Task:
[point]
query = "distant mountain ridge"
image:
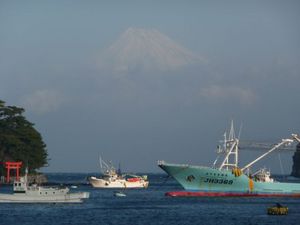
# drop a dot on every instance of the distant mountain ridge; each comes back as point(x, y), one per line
point(146, 50)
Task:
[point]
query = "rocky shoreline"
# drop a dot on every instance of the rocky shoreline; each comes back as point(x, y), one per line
point(38, 178)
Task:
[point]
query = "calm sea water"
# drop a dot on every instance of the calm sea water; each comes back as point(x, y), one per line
point(147, 207)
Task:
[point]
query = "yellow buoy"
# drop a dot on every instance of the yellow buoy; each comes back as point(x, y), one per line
point(278, 210)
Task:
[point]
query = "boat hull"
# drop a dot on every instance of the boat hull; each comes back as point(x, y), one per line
point(25, 198)
point(119, 183)
point(205, 181)
point(227, 194)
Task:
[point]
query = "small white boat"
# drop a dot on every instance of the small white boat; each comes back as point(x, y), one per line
point(25, 193)
point(112, 179)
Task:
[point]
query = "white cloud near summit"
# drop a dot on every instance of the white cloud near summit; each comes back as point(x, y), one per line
point(43, 101)
point(222, 93)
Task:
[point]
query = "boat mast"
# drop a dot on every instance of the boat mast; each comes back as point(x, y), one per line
point(231, 149)
point(104, 166)
point(100, 162)
point(283, 142)
point(26, 175)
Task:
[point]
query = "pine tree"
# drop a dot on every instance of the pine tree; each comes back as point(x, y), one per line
point(19, 140)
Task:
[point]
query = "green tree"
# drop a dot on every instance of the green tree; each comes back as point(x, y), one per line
point(19, 140)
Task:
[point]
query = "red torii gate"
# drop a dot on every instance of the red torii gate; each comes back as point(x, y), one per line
point(13, 165)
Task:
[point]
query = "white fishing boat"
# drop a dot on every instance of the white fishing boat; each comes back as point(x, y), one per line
point(113, 179)
point(34, 193)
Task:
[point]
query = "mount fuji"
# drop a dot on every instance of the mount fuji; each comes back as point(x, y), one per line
point(146, 50)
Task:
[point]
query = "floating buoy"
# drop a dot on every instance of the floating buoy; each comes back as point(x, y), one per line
point(278, 210)
point(119, 194)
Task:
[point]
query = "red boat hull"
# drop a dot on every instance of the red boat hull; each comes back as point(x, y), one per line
point(226, 194)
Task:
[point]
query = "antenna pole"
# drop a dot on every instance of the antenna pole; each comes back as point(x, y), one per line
point(231, 149)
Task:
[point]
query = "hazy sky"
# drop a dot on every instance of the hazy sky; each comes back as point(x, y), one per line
point(159, 106)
